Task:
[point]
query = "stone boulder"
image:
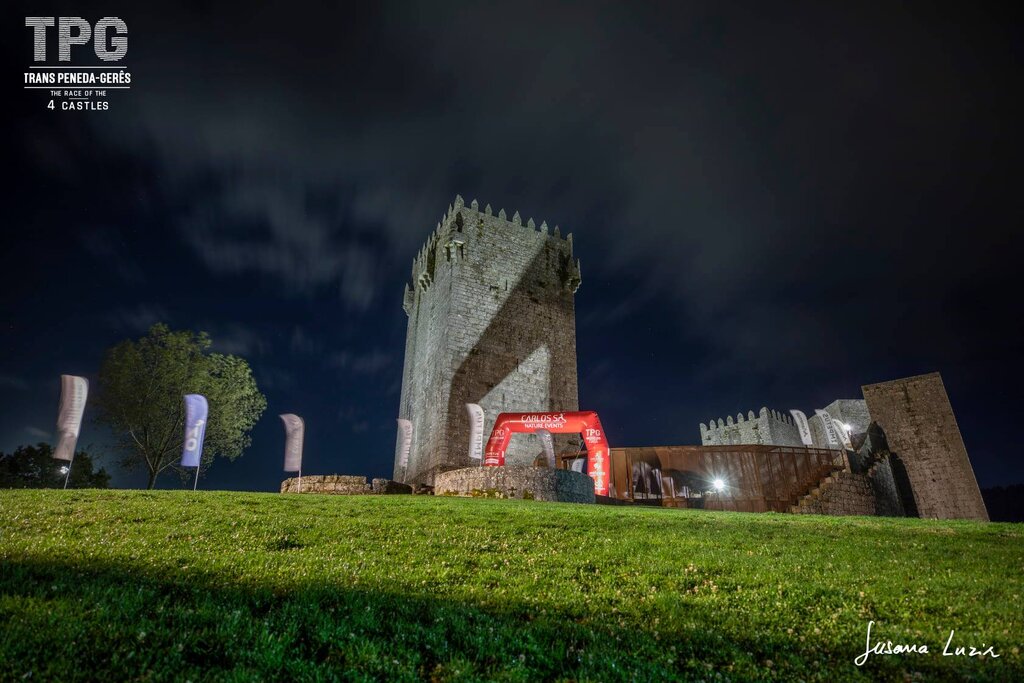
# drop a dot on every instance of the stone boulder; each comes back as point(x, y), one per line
point(388, 486)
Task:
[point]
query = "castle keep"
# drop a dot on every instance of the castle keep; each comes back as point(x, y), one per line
point(491, 321)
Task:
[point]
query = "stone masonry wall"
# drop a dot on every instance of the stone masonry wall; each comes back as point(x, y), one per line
point(883, 484)
point(777, 428)
point(344, 485)
point(851, 411)
point(770, 427)
point(852, 493)
point(919, 425)
point(491, 321)
point(331, 483)
point(511, 481)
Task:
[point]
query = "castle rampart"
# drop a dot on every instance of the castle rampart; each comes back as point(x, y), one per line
point(768, 427)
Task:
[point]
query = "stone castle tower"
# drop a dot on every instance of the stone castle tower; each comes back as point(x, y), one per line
point(491, 321)
point(921, 429)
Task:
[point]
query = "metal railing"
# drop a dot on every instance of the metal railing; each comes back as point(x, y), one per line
point(752, 478)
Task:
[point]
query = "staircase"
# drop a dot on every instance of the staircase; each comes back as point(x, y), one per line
point(811, 502)
point(843, 492)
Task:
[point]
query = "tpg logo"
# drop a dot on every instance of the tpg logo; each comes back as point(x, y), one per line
point(78, 31)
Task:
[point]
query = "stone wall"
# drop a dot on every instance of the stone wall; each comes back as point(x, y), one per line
point(777, 428)
point(843, 493)
point(855, 493)
point(769, 427)
point(344, 485)
point(517, 481)
point(331, 483)
point(491, 321)
point(887, 496)
point(921, 430)
point(851, 411)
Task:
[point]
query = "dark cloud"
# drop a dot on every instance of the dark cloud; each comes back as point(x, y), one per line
point(138, 318)
point(272, 378)
point(302, 343)
point(10, 382)
point(236, 339)
point(106, 248)
point(367, 363)
point(727, 154)
point(37, 433)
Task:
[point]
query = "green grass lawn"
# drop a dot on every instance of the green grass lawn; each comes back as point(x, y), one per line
point(117, 585)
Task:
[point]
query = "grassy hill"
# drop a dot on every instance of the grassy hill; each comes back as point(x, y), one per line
point(116, 585)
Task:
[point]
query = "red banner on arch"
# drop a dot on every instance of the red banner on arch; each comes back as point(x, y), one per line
point(585, 423)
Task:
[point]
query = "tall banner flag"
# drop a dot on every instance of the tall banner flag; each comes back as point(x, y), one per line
point(476, 431)
point(404, 441)
point(830, 429)
point(294, 431)
point(548, 442)
point(195, 429)
point(801, 424)
point(840, 430)
point(73, 393)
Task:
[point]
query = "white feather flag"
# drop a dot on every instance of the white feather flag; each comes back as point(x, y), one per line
point(801, 424)
point(831, 429)
point(295, 433)
point(476, 431)
point(74, 391)
point(405, 441)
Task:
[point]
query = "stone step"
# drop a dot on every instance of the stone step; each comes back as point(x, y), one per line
point(811, 497)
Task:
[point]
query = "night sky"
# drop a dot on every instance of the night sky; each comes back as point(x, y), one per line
point(772, 205)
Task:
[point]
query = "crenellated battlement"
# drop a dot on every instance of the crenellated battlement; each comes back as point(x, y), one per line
point(765, 413)
point(450, 235)
point(767, 427)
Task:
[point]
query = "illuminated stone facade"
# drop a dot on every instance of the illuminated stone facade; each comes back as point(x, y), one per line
point(523, 482)
point(491, 321)
point(918, 421)
point(926, 459)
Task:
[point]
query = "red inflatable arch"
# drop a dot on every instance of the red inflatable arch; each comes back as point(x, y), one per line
point(586, 423)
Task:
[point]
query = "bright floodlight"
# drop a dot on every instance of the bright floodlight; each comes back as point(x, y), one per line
point(718, 484)
point(847, 427)
point(64, 470)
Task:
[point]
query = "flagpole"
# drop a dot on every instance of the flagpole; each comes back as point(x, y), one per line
point(197, 479)
point(300, 479)
point(67, 476)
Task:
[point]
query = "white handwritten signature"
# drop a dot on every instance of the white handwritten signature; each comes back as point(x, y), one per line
point(887, 647)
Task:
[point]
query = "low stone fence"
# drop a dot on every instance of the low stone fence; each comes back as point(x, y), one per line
point(516, 481)
point(343, 485)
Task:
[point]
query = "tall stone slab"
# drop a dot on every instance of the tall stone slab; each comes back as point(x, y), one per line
point(919, 424)
point(492, 321)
